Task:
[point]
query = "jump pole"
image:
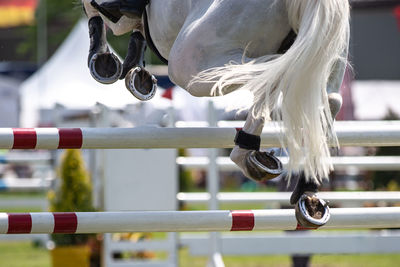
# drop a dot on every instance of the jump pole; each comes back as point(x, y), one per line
point(376, 163)
point(283, 197)
point(189, 221)
point(350, 134)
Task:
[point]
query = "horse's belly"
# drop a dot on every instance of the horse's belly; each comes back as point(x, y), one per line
point(166, 18)
point(231, 25)
point(257, 26)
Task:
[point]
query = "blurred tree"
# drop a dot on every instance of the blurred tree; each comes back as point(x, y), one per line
point(60, 17)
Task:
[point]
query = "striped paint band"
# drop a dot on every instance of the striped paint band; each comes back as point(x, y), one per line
point(242, 220)
point(29, 138)
point(24, 223)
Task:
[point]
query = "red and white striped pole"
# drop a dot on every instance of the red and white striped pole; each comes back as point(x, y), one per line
point(349, 134)
point(188, 221)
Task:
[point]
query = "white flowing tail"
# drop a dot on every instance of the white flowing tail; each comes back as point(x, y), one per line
point(295, 83)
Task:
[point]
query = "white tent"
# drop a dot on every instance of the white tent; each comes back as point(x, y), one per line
point(8, 102)
point(65, 80)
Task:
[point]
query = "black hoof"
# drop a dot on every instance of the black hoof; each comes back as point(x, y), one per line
point(141, 83)
point(263, 166)
point(105, 67)
point(312, 212)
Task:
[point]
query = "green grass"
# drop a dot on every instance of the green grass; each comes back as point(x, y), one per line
point(24, 254)
point(370, 260)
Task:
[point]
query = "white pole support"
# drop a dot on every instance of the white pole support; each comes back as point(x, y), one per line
point(189, 221)
point(356, 133)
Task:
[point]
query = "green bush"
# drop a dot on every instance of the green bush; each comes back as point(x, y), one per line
point(74, 194)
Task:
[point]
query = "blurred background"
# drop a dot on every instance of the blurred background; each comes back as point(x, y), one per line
point(45, 82)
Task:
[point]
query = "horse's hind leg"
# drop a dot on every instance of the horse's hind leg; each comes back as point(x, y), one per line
point(256, 165)
point(185, 62)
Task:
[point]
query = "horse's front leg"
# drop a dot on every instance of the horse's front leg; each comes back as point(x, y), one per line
point(104, 66)
point(138, 81)
point(256, 165)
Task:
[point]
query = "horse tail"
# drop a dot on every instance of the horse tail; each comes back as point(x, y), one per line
point(322, 37)
point(295, 83)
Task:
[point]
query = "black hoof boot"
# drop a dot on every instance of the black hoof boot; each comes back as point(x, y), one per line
point(138, 81)
point(104, 66)
point(135, 55)
point(114, 10)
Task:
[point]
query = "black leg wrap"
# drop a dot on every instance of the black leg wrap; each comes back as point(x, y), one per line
point(136, 49)
point(301, 187)
point(96, 27)
point(114, 10)
point(104, 66)
point(133, 8)
point(247, 141)
point(110, 11)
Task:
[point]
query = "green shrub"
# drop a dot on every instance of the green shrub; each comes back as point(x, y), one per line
point(74, 194)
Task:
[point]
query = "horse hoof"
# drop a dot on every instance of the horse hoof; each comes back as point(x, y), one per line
point(105, 67)
point(263, 166)
point(141, 83)
point(312, 212)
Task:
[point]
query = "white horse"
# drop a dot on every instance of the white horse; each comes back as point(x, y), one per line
point(214, 47)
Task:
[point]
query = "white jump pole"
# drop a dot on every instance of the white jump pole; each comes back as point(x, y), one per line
point(283, 197)
point(189, 221)
point(350, 134)
point(381, 163)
